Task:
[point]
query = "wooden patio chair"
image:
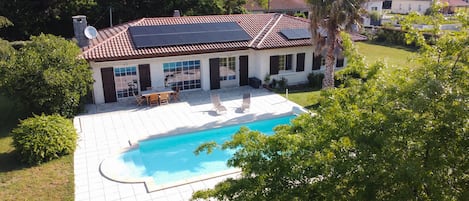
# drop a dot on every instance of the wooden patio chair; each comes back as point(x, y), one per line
point(219, 108)
point(246, 102)
point(164, 98)
point(175, 94)
point(139, 99)
point(153, 99)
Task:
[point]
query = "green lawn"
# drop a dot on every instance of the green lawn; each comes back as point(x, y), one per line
point(50, 181)
point(393, 56)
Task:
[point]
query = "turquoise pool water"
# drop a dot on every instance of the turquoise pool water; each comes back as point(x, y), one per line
point(170, 159)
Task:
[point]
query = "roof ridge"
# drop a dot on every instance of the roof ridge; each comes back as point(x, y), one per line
point(278, 16)
point(261, 31)
point(129, 24)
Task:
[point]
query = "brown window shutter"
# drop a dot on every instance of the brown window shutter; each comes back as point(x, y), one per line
point(316, 62)
point(145, 79)
point(274, 62)
point(300, 62)
point(109, 86)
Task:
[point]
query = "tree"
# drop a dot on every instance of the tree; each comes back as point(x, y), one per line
point(399, 135)
point(48, 76)
point(42, 16)
point(328, 19)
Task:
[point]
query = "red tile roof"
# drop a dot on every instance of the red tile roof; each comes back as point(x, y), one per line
point(115, 43)
point(455, 3)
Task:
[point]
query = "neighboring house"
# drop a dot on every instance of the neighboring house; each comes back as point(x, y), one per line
point(289, 7)
point(197, 53)
point(407, 6)
point(454, 5)
point(371, 7)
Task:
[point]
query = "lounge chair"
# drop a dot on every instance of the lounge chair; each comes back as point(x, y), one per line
point(175, 94)
point(246, 102)
point(219, 108)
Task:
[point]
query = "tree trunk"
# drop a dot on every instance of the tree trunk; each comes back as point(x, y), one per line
point(328, 81)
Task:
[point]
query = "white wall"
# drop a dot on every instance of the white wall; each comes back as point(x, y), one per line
point(259, 66)
point(407, 6)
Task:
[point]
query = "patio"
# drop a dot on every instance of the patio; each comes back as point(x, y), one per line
point(106, 129)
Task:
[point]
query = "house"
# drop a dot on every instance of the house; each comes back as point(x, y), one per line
point(372, 7)
point(408, 6)
point(290, 7)
point(197, 53)
point(452, 6)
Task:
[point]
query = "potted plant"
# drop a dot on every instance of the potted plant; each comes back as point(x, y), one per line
point(266, 81)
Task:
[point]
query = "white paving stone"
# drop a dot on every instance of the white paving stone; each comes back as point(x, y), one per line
point(107, 129)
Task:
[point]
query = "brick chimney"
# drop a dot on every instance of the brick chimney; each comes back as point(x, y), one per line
point(79, 25)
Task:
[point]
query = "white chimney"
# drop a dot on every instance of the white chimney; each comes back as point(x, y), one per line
point(177, 13)
point(79, 25)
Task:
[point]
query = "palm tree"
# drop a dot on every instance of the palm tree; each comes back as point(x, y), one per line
point(328, 19)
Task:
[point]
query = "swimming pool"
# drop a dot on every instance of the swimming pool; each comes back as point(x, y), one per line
point(170, 159)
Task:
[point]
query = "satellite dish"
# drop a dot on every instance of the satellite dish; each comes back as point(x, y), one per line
point(90, 32)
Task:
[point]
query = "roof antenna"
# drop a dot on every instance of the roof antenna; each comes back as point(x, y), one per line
point(110, 16)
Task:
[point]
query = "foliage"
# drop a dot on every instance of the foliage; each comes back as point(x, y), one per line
point(401, 135)
point(283, 83)
point(54, 17)
point(48, 76)
point(42, 138)
point(5, 22)
point(315, 80)
point(390, 36)
point(302, 15)
point(35, 17)
point(328, 19)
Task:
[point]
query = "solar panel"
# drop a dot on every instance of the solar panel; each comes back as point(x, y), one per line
point(295, 34)
point(187, 34)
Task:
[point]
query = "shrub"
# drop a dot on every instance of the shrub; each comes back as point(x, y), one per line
point(43, 138)
point(315, 80)
point(283, 83)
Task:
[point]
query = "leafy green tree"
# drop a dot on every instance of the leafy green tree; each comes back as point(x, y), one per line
point(328, 19)
point(399, 135)
point(48, 76)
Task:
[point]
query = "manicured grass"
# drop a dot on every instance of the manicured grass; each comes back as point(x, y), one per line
point(305, 96)
point(394, 56)
point(50, 181)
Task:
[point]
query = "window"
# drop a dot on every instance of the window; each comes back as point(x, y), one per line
point(126, 81)
point(410, 7)
point(285, 62)
point(339, 62)
point(420, 8)
point(228, 68)
point(374, 8)
point(182, 74)
point(323, 61)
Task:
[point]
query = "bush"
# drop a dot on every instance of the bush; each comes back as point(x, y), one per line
point(43, 138)
point(315, 80)
point(283, 83)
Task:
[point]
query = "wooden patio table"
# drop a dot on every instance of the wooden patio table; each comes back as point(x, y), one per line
point(156, 91)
